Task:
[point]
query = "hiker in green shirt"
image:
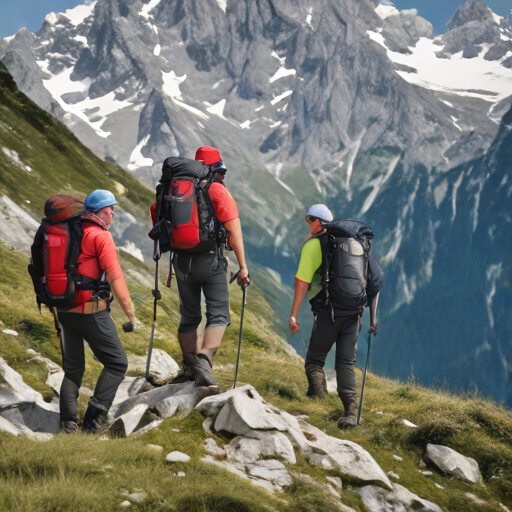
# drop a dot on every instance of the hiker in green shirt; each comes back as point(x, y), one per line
point(336, 321)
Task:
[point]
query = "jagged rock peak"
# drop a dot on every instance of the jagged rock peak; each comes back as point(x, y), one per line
point(471, 10)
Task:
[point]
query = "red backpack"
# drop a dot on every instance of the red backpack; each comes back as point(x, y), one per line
point(55, 251)
point(185, 216)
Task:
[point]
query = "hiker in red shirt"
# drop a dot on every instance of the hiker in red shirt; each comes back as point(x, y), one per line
point(199, 270)
point(89, 318)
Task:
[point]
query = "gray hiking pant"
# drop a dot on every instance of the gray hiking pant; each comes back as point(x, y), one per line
point(99, 330)
point(344, 332)
point(196, 272)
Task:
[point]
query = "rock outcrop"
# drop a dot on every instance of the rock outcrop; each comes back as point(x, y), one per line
point(263, 430)
point(376, 498)
point(452, 463)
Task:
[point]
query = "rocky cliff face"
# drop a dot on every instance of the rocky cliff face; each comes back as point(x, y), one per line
point(351, 103)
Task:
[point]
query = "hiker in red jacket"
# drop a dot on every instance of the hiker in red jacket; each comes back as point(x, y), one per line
point(89, 318)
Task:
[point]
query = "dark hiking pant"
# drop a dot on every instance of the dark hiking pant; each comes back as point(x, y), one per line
point(344, 332)
point(100, 332)
point(206, 272)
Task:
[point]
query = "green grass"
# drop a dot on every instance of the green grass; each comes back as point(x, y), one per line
point(59, 162)
point(83, 473)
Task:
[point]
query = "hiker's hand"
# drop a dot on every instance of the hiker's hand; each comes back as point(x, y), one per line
point(373, 329)
point(293, 325)
point(360, 324)
point(131, 325)
point(243, 277)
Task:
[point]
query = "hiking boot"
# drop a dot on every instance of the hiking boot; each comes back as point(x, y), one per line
point(69, 427)
point(202, 371)
point(349, 418)
point(317, 383)
point(95, 420)
point(184, 375)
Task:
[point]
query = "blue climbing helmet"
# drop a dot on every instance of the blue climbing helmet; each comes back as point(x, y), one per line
point(99, 199)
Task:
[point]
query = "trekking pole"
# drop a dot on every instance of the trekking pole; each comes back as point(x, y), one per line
point(364, 378)
point(244, 290)
point(157, 295)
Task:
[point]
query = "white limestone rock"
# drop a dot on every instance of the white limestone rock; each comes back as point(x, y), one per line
point(13, 390)
point(335, 481)
point(255, 444)
point(127, 423)
point(213, 448)
point(137, 497)
point(7, 426)
point(54, 380)
point(182, 402)
point(163, 368)
point(265, 484)
point(156, 396)
point(243, 411)
point(131, 386)
point(398, 500)
point(155, 448)
point(346, 456)
point(34, 417)
point(272, 470)
point(177, 457)
point(453, 463)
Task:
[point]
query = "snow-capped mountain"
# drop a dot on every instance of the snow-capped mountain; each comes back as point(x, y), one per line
point(352, 103)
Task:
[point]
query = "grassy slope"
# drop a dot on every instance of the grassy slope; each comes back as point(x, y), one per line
point(60, 163)
point(81, 473)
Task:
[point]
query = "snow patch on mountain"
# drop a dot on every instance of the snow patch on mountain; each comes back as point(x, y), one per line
point(309, 17)
point(475, 77)
point(137, 160)
point(222, 4)
point(133, 250)
point(217, 109)
point(455, 189)
point(147, 8)
point(282, 71)
point(93, 111)
point(78, 14)
point(51, 18)
point(82, 39)
point(386, 10)
point(492, 275)
point(277, 99)
point(172, 84)
point(156, 51)
point(377, 184)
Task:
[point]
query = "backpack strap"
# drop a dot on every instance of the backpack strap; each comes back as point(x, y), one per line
point(328, 246)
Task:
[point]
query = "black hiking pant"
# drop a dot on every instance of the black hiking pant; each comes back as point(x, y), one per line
point(201, 271)
point(99, 330)
point(344, 332)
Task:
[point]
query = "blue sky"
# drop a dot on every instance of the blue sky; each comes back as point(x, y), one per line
point(15, 14)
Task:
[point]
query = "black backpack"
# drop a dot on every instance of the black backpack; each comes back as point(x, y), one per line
point(345, 249)
point(185, 216)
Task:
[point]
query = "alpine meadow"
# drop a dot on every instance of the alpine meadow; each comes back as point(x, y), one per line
point(305, 114)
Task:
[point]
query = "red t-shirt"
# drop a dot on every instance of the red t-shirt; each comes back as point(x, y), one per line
point(223, 204)
point(98, 255)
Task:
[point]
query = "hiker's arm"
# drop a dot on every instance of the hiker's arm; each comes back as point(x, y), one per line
point(301, 288)
point(373, 315)
point(236, 242)
point(120, 290)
